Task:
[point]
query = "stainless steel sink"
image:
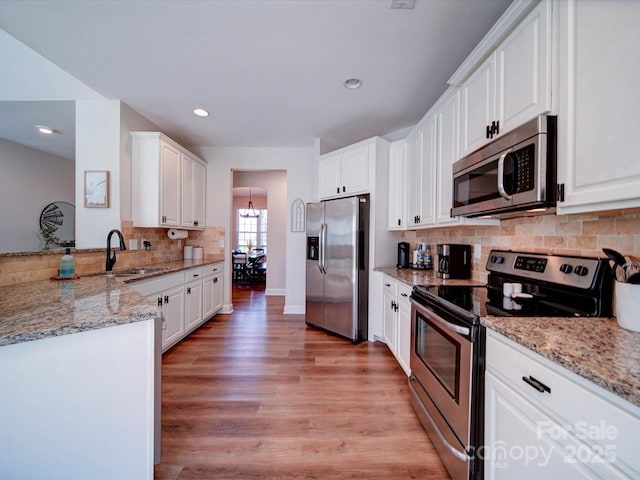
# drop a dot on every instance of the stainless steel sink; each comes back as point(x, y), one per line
point(131, 272)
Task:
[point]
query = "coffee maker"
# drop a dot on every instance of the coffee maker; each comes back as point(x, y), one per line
point(404, 255)
point(454, 261)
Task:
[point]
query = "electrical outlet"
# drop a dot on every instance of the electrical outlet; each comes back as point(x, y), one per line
point(133, 244)
point(477, 251)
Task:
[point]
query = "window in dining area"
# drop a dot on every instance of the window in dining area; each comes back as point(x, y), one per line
point(251, 230)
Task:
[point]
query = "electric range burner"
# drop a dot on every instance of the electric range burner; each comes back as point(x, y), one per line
point(552, 286)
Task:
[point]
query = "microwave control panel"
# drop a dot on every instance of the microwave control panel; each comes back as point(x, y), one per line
point(523, 168)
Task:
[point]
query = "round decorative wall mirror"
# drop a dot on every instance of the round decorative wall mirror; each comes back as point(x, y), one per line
point(58, 218)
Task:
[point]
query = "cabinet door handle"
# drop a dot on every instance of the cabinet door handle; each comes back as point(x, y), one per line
point(488, 131)
point(399, 222)
point(344, 189)
point(215, 280)
point(159, 301)
point(196, 275)
point(537, 384)
point(403, 294)
point(195, 223)
point(387, 284)
point(166, 299)
point(337, 189)
point(188, 290)
point(496, 128)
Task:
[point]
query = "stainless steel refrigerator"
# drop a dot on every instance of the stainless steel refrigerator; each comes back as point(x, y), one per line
point(337, 266)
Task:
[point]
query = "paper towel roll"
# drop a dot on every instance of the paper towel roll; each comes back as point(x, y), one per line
point(177, 234)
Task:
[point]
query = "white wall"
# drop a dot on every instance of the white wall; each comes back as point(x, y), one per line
point(275, 182)
point(30, 180)
point(301, 183)
point(97, 148)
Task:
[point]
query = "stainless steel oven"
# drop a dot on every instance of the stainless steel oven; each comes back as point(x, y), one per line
point(516, 172)
point(446, 381)
point(448, 342)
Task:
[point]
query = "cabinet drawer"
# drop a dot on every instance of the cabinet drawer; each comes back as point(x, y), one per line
point(404, 291)
point(389, 286)
point(155, 285)
point(587, 411)
point(214, 268)
point(193, 274)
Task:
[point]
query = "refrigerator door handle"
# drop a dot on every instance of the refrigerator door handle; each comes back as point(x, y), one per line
point(323, 243)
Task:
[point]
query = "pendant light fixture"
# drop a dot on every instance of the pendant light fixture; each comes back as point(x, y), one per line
point(251, 211)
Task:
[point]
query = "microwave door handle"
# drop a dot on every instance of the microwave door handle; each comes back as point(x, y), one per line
point(503, 193)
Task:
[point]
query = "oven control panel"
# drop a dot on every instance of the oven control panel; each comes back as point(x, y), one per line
point(577, 272)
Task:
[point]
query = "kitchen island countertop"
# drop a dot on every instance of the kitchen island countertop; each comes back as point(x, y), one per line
point(597, 349)
point(37, 310)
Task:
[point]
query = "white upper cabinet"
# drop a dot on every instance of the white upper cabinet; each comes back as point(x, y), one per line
point(523, 74)
point(426, 186)
point(344, 173)
point(598, 120)
point(478, 106)
point(512, 85)
point(421, 151)
point(193, 193)
point(168, 183)
point(396, 213)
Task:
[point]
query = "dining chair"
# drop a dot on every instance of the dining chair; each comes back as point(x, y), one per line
point(240, 266)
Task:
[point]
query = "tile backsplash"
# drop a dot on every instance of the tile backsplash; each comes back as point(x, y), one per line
point(584, 235)
point(33, 266)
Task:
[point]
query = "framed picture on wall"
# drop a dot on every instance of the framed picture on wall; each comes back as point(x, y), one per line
point(96, 189)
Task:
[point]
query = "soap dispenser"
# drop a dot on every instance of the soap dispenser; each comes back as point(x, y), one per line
point(67, 265)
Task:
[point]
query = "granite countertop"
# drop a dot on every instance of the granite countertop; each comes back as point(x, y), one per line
point(37, 310)
point(414, 277)
point(597, 349)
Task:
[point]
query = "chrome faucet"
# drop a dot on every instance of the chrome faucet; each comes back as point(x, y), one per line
point(111, 259)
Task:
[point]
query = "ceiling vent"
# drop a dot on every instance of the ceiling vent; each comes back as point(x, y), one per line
point(403, 4)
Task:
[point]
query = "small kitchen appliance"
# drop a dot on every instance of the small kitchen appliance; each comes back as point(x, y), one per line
point(513, 175)
point(404, 260)
point(454, 261)
point(448, 342)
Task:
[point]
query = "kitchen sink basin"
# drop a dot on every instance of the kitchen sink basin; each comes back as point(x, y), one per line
point(130, 272)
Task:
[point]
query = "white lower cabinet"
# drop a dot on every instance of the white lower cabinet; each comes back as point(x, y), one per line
point(542, 421)
point(188, 299)
point(396, 322)
point(211, 290)
point(193, 300)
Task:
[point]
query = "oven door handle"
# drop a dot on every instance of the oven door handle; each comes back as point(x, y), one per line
point(448, 325)
point(460, 455)
point(503, 193)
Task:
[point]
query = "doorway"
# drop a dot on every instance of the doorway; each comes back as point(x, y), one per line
point(257, 240)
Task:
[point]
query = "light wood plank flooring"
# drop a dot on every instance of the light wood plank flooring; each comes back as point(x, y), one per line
point(258, 395)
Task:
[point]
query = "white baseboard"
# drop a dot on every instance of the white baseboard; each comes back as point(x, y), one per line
point(275, 292)
point(294, 309)
point(228, 308)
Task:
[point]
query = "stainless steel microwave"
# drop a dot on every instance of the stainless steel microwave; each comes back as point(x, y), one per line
point(513, 175)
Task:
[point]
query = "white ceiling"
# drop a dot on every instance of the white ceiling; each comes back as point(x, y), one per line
point(270, 72)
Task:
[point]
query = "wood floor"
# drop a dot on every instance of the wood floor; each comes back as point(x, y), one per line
point(258, 395)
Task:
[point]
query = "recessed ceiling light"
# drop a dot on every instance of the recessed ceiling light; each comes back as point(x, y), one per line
point(353, 83)
point(45, 130)
point(201, 112)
